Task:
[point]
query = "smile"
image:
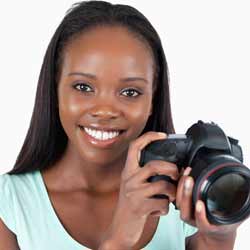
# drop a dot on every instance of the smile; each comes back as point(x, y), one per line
point(100, 134)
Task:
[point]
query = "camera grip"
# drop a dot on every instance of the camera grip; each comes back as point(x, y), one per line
point(158, 178)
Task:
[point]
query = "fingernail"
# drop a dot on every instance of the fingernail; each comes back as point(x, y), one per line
point(198, 206)
point(187, 171)
point(162, 134)
point(187, 186)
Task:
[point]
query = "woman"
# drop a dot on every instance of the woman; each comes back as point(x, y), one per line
point(102, 96)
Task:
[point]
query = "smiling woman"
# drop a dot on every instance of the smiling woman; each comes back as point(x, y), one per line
point(110, 97)
point(102, 96)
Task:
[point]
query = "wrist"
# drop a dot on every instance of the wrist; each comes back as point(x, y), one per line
point(211, 241)
point(219, 239)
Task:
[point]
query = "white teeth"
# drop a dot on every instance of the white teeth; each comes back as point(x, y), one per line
point(101, 135)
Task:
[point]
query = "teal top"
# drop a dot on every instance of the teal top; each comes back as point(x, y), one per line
point(26, 209)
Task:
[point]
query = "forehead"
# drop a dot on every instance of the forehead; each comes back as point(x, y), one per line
point(108, 48)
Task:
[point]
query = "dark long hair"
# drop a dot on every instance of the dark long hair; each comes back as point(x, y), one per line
point(46, 140)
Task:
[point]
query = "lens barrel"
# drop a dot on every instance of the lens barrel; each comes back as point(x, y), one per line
point(224, 186)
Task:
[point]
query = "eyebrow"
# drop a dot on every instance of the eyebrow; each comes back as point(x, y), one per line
point(126, 79)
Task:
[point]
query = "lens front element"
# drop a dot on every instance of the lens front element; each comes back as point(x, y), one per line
point(227, 195)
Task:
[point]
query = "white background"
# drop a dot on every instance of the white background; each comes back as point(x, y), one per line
point(207, 45)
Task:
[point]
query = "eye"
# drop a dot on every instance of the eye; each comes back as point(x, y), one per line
point(131, 93)
point(82, 87)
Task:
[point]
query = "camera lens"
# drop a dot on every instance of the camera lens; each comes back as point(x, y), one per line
point(225, 189)
point(227, 195)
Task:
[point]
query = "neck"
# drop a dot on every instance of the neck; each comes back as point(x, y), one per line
point(72, 172)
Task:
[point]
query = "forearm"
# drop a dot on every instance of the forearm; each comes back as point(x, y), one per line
point(201, 242)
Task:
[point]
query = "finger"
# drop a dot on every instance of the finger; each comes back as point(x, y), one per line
point(158, 167)
point(182, 171)
point(154, 206)
point(160, 187)
point(141, 203)
point(201, 217)
point(181, 186)
point(149, 137)
point(187, 171)
point(185, 205)
point(147, 190)
point(134, 151)
point(179, 192)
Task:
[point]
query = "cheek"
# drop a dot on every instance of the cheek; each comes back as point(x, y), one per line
point(139, 115)
point(69, 108)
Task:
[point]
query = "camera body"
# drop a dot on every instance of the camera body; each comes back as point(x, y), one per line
point(221, 179)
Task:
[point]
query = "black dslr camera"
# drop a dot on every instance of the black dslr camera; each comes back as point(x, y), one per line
point(221, 179)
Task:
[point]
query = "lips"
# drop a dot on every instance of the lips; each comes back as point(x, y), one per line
point(103, 129)
point(101, 137)
point(100, 134)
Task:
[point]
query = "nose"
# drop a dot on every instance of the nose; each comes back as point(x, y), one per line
point(104, 113)
point(105, 110)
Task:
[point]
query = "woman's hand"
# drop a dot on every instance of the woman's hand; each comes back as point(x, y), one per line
point(135, 203)
point(198, 218)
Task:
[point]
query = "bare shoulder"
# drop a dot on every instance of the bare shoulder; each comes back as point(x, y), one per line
point(8, 240)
